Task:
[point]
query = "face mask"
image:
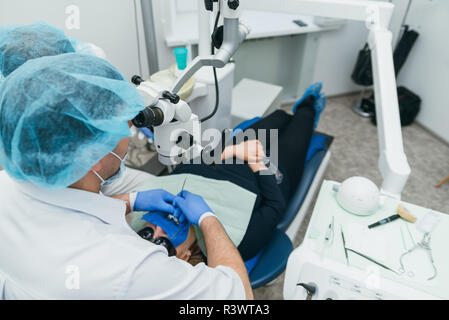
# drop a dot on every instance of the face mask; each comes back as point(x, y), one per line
point(117, 175)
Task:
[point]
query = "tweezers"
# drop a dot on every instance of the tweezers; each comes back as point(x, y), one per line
point(344, 245)
point(372, 260)
point(362, 255)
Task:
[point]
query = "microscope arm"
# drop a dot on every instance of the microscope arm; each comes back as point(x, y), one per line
point(194, 66)
point(234, 34)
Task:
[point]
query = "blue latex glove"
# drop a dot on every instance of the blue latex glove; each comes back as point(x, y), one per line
point(147, 132)
point(190, 207)
point(176, 233)
point(154, 200)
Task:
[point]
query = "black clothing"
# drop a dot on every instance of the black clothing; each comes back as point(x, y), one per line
point(295, 132)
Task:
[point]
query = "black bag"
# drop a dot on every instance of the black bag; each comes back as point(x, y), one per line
point(409, 106)
point(404, 48)
point(363, 72)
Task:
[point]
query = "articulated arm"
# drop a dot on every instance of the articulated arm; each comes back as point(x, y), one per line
point(234, 34)
point(393, 163)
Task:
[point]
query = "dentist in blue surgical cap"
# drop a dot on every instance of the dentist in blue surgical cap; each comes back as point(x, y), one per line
point(64, 127)
point(21, 43)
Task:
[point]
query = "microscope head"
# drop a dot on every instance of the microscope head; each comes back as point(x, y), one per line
point(177, 132)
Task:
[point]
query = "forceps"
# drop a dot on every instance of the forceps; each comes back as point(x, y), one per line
point(424, 244)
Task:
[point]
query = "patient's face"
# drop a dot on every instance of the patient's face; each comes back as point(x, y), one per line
point(183, 250)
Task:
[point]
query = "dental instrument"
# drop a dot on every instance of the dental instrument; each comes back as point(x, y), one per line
point(362, 255)
point(426, 225)
point(329, 237)
point(183, 185)
point(423, 244)
point(172, 217)
point(373, 261)
point(274, 170)
point(344, 245)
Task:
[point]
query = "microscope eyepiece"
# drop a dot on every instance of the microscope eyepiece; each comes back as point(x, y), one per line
point(137, 80)
point(149, 117)
point(172, 97)
point(233, 4)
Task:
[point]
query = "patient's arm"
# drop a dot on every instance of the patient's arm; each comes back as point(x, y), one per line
point(265, 217)
point(271, 208)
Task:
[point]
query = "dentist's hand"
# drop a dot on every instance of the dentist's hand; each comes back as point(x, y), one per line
point(154, 200)
point(191, 207)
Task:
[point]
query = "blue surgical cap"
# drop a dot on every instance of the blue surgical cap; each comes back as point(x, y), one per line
point(60, 115)
point(19, 43)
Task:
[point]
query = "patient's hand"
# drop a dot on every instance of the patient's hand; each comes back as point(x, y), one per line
point(250, 151)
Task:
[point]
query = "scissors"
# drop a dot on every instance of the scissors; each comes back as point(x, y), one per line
point(172, 217)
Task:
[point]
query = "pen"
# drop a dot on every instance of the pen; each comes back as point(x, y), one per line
point(384, 221)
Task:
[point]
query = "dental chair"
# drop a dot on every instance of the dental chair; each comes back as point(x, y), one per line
point(266, 266)
point(272, 260)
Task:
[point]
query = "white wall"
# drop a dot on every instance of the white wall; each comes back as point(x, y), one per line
point(427, 69)
point(110, 24)
point(336, 57)
point(162, 25)
point(286, 61)
point(338, 50)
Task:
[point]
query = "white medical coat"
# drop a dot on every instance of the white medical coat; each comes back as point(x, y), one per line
point(73, 244)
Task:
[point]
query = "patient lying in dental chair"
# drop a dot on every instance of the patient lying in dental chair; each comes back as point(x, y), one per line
point(255, 200)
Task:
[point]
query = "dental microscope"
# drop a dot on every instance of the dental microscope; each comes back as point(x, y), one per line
point(177, 131)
